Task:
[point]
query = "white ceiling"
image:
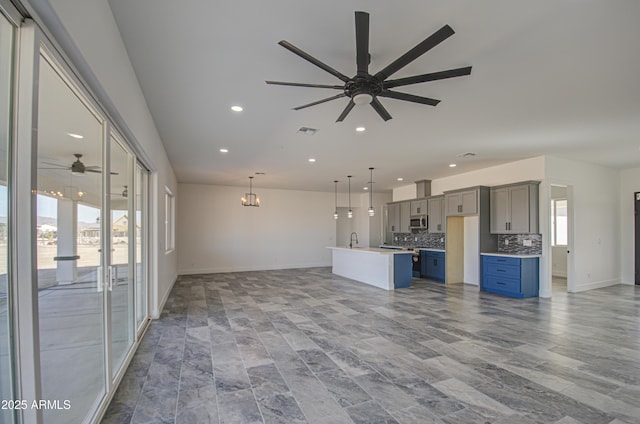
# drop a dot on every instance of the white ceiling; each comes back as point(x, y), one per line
point(549, 77)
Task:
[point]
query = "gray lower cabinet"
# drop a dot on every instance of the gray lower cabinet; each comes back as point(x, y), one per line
point(436, 222)
point(514, 208)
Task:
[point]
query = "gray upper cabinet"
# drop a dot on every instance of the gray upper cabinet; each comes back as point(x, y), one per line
point(436, 222)
point(514, 208)
point(399, 217)
point(462, 203)
point(419, 207)
point(405, 217)
point(393, 217)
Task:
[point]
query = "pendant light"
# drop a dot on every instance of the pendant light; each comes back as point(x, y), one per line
point(350, 213)
point(371, 211)
point(250, 199)
point(335, 214)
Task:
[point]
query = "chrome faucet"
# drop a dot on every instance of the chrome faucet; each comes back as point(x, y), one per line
point(351, 239)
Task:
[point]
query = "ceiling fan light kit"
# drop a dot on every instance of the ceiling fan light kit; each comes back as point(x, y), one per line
point(365, 88)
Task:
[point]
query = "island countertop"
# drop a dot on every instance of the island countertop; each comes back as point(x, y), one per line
point(376, 250)
point(387, 269)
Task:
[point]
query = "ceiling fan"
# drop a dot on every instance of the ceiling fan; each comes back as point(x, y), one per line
point(77, 167)
point(365, 88)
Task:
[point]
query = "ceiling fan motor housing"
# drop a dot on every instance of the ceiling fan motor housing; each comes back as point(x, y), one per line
point(363, 84)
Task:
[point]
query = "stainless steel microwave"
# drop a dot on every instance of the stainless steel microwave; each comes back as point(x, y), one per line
point(417, 222)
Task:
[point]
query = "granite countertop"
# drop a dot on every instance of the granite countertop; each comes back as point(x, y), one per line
point(512, 255)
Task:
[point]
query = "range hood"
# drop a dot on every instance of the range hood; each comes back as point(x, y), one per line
point(423, 188)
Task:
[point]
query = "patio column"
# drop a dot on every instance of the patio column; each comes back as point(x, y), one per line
point(67, 265)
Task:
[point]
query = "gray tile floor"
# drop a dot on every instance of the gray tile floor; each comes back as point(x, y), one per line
point(297, 346)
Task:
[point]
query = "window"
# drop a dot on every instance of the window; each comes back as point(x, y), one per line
point(559, 222)
point(169, 221)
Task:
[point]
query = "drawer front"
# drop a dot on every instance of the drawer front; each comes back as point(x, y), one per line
point(504, 260)
point(501, 284)
point(503, 271)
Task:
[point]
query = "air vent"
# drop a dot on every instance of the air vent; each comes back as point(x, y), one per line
point(307, 130)
point(466, 155)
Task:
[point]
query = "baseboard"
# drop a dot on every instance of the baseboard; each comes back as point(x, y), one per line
point(559, 274)
point(165, 297)
point(596, 285)
point(219, 270)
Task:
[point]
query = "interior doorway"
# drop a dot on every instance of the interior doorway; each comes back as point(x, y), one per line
point(637, 236)
point(560, 220)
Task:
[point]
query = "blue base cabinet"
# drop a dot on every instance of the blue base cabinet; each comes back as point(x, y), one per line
point(510, 276)
point(402, 270)
point(433, 265)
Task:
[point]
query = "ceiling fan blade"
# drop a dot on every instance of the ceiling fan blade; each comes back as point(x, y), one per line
point(306, 56)
point(430, 42)
point(302, 84)
point(328, 99)
point(54, 164)
point(409, 98)
point(346, 111)
point(362, 42)
point(375, 103)
point(97, 171)
point(57, 168)
point(451, 73)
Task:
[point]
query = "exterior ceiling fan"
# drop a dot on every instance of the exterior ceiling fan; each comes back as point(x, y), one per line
point(364, 87)
point(77, 167)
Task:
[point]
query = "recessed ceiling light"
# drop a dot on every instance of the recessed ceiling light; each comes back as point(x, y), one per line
point(75, 135)
point(312, 160)
point(400, 179)
point(237, 108)
point(360, 129)
point(223, 150)
point(365, 188)
point(452, 165)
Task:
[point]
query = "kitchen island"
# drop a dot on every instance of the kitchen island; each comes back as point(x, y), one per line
point(387, 269)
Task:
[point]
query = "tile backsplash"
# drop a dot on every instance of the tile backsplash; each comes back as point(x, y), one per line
point(515, 244)
point(419, 239)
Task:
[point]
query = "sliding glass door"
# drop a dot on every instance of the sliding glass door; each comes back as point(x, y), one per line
point(7, 32)
point(141, 249)
point(69, 248)
point(122, 253)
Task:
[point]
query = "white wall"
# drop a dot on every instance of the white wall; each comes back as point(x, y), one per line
point(290, 229)
point(594, 260)
point(472, 250)
point(522, 170)
point(407, 192)
point(629, 184)
point(88, 34)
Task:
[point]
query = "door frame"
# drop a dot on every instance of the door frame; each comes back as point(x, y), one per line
point(571, 284)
